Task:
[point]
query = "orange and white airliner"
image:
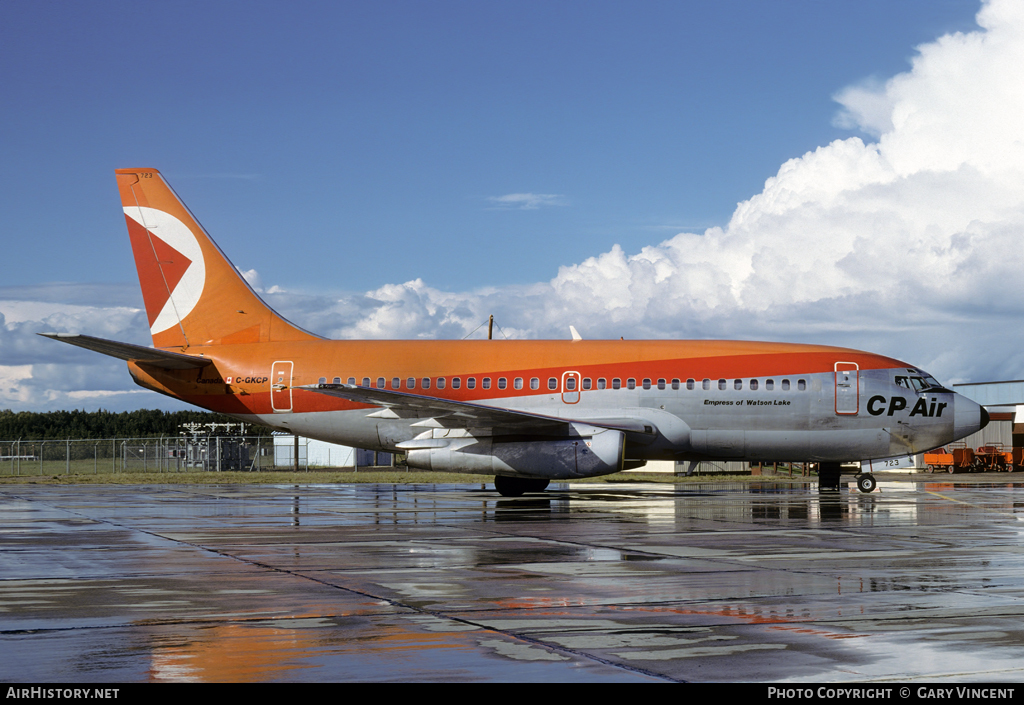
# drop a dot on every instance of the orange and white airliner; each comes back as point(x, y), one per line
point(526, 411)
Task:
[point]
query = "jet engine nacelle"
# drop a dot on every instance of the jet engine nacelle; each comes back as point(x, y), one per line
point(557, 458)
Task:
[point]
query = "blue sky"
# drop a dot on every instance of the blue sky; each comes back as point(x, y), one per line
point(369, 137)
point(401, 169)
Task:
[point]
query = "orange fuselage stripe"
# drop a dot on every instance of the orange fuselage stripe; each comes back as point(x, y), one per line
point(479, 359)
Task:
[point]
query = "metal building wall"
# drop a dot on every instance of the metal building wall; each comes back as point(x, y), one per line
point(999, 430)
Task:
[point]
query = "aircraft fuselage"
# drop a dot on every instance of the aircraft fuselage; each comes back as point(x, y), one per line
point(699, 399)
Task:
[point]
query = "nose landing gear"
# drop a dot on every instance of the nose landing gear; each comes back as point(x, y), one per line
point(866, 482)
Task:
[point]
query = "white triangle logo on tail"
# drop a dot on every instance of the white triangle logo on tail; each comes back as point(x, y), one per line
point(182, 269)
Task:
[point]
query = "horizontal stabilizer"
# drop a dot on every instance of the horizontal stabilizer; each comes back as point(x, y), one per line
point(136, 353)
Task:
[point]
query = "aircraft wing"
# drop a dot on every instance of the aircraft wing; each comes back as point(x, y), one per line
point(445, 413)
point(136, 353)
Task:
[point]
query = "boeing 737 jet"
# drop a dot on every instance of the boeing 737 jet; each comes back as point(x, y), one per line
point(525, 411)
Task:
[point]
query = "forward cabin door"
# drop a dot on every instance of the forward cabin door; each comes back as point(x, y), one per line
point(847, 388)
point(281, 386)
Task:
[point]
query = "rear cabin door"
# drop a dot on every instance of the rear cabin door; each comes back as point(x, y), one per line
point(847, 388)
point(281, 386)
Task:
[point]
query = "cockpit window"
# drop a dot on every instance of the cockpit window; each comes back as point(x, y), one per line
point(917, 384)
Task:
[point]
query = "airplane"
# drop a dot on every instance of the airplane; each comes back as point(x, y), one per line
point(525, 411)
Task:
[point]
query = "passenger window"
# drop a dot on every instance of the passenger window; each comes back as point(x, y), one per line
point(502, 382)
point(675, 384)
point(440, 382)
point(753, 385)
point(456, 382)
point(706, 384)
point(616, 383)
point(471, 383)
point(586, 383)
point(602, 383)
point(661, 383)
point(426, 382)
point(801, 385)
point(552, 383)
point(535, 383)
point(380, 383)
point(517, 383)
point(631, 383)
point(722, 384)
point(486, 383)
point(351, 380)
point(410, 383)
point(322, 380)
point(570, 384)
point(337, 380)
point(646, 383)
point(396, 383)
point(769, 384)
point(366, 381)
point(737, 384)
point(690, 384)
point(785, 385)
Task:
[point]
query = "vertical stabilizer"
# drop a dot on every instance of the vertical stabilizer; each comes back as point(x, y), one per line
point(193, 294)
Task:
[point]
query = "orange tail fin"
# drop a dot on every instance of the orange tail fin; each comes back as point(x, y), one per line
point(193, 294)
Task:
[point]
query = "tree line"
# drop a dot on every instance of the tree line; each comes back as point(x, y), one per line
point(34, 426)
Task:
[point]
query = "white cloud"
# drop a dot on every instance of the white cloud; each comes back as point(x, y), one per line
point(527, 201)
point(252, 278)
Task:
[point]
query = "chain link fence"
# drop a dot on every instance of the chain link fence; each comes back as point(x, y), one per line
point(135, 455)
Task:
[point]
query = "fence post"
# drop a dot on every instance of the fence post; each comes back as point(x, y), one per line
point(67, 457)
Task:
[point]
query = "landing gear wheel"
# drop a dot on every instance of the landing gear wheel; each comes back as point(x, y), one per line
point(538, 485)
point(828, 476)
point(516, 486)
point(866, 483)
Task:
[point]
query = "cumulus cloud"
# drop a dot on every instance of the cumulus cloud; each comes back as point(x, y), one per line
point(37, 374)
point(905, 240)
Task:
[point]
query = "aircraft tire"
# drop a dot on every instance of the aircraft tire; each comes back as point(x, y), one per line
point(538, 485)
point(866, 483)
point(508, 486)
point(828, 476)
point(517, 486)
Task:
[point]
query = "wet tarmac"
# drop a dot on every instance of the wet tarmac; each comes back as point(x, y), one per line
point(732, 582)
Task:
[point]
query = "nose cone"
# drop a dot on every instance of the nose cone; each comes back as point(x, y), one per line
point(968, 417)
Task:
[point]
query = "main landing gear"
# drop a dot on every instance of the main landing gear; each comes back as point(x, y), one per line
point(516, 486)
point(829, 474)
